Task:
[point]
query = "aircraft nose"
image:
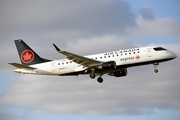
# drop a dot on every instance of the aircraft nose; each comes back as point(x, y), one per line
point(173, 55)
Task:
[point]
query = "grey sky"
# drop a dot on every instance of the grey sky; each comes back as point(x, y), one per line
point(146, 13)
point(86, 27)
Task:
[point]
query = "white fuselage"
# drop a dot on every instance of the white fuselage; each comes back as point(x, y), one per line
point(128, 57)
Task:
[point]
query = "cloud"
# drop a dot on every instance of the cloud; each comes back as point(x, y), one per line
point(6, 115)
point(83, 28)
point(98, 44)
point(146, 13)
point(133, 94)
point(64, 19)
point(155, 28)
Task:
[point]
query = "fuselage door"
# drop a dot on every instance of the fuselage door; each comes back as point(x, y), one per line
point(53, 66)
point(149, 52)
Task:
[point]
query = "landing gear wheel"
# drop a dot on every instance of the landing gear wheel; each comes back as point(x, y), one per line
point(92, 75)
point(100, 80)
point(155, 65)
point(156, 70)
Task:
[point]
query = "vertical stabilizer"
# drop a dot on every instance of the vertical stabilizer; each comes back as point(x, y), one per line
point(27, 55)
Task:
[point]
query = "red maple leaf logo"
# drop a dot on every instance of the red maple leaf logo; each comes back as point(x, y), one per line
point(137, 57)
point(27, 56)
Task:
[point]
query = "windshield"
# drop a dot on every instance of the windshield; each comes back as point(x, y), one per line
point(159, 48)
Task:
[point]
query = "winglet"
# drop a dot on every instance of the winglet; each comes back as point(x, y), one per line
point(56, 48)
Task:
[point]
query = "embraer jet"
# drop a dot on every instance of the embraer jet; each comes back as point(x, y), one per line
point(113, 63)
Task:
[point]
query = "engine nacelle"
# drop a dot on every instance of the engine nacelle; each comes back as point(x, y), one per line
point(120, 73)
point(108, 65)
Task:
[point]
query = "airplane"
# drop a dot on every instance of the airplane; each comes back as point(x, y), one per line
point(113, 63)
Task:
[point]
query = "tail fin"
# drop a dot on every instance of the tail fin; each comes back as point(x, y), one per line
point(27, 55)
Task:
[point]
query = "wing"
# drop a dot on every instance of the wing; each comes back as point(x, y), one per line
point(84, 61)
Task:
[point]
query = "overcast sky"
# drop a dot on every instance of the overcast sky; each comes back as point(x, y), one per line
point(87, 27)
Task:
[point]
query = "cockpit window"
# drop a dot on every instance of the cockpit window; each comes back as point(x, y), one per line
point(159, 49)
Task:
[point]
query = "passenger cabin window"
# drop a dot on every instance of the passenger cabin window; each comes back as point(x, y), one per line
point(159, 49)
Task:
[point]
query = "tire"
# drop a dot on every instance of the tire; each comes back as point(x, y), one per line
point(92, 75)
point(100, 80)
point(156, 70)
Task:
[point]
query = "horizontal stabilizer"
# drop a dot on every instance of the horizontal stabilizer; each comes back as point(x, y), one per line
point(21, 66)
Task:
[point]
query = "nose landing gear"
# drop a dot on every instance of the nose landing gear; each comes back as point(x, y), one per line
point(155, 65)
point(156, 70)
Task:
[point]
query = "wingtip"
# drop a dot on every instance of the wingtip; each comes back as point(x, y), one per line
point(10, 63)
point(56, 47)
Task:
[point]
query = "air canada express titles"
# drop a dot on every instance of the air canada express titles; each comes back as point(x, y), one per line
point(134, 50)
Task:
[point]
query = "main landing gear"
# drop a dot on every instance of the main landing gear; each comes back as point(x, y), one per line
point(92, 75)
point(155, 65)
point(100, 80)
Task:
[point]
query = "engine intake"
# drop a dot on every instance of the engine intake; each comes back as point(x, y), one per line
point(108, 65)
point(120, 73)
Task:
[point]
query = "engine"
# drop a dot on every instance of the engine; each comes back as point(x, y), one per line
point(108, 65)
point(120, 73)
